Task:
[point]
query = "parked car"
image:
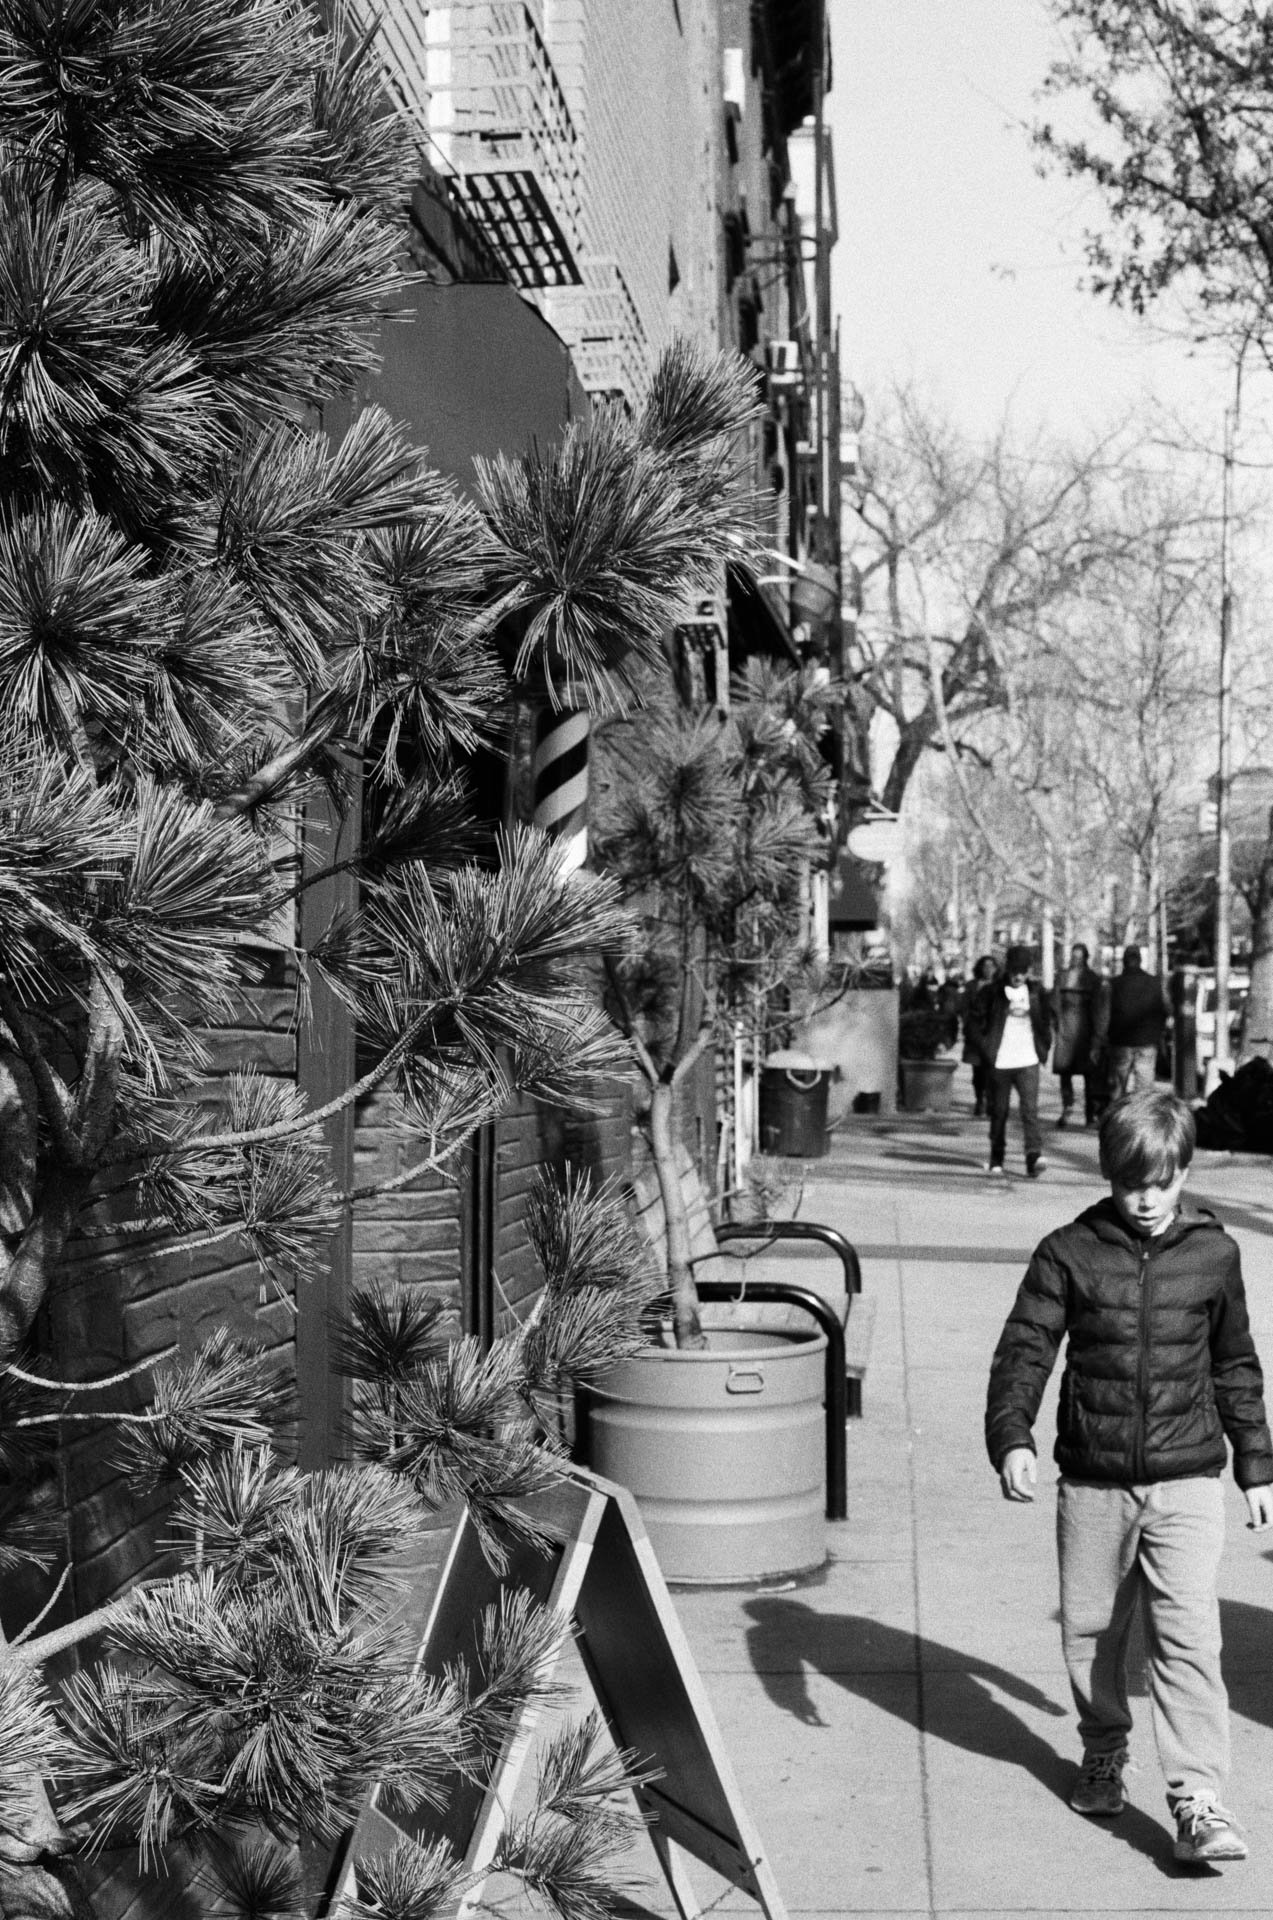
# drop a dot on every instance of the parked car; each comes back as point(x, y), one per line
point(1205, 1016)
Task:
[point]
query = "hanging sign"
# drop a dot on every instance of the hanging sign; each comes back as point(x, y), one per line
point(879, 840)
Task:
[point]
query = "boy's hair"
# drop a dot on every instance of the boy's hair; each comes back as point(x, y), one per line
point(1018, 960)
point(1147, 1139)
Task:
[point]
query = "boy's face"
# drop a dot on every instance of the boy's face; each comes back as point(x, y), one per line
point(1149, 1210)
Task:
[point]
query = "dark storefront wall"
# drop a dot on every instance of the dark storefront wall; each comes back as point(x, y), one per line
point(471, 372)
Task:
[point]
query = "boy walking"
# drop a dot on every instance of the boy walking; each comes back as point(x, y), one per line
point(1160, 1368)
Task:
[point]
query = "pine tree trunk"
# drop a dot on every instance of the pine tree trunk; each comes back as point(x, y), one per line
point(37, 1880)
point(686, 1323)
point(25, 1275)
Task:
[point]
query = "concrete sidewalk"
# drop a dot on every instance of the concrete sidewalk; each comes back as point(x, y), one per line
point(901, 1725)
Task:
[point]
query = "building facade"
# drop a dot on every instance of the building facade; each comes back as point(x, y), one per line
point(627, 174)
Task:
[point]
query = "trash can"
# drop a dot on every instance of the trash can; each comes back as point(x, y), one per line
point(793, 1106)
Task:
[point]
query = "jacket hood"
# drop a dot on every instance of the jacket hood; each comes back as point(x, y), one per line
point(1108, 1224)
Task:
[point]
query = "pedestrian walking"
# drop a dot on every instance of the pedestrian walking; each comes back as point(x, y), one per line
point(1138, 1009)
point(1012, 1030)
point(983, 974)
point(1075, 1006)
point(1160, 1368)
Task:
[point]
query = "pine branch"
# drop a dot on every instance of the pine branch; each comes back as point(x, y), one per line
point(409, 1883)
point(581, 1775)
point(255, 1882)
point(600, 1282)
point(226, 1396)
point(388, 1333)
point(600, 538)
point(567, 1864)
point(518, 1644)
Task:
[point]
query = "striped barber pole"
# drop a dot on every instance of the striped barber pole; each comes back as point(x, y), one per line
point(559, 767)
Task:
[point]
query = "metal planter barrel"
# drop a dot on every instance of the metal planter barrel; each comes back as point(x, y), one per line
point(926, 1085)
point(724, 1451)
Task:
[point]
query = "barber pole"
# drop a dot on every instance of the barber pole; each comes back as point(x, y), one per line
point(559, 767)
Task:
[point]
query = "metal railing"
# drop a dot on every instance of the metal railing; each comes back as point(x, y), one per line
point(836, 1402)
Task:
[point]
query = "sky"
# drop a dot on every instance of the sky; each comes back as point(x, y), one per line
point(957, 265)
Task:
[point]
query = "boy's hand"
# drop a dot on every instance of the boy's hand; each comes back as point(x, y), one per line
point(1259, 1501)
point(1019, 1470)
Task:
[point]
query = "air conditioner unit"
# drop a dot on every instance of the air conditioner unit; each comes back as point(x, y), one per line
point(782, 362)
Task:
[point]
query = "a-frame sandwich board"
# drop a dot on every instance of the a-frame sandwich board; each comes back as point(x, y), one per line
point(600, 1573)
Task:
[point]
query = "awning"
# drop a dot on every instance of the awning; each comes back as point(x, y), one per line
point(475, 371)
point(756, 627)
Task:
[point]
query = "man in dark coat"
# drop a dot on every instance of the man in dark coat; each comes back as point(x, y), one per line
point(1075, 1003)
point(1138, 1010)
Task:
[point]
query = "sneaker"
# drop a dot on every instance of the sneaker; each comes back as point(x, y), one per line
point(996, 1170)
point(1035, 1164)
point(1099, 1787)
point(1064, 1119)
point(1205, 1832)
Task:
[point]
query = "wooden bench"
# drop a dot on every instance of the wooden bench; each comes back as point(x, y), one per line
point(722, 1278)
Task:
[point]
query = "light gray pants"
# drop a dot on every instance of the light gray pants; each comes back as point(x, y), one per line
point(1163, 1543)
point(1131, 1068)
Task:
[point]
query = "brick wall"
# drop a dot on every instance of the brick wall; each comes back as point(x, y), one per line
point(411, 1235)
point(420, 1234)
point(643, 87)
point(117, 1303)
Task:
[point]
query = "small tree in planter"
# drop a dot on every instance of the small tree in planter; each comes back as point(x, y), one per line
point(709, 824)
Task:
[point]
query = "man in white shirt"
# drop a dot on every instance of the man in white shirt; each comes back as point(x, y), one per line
point(1013, 1029)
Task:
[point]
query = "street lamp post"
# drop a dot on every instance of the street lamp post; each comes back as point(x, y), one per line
point(1221, 1060)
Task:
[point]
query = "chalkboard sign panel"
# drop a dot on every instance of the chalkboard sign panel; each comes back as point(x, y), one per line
point(600, 1573)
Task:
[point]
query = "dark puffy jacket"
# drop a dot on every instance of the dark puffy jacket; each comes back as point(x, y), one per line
point(1160, 1365)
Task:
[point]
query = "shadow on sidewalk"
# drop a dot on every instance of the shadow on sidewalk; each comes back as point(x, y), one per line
point(1232, 1213)
point(1247, 1632)
point(952, 1699)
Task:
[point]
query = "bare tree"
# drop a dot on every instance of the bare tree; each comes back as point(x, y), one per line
point(1081, 775)
point(1182, 154)
point(970, 559)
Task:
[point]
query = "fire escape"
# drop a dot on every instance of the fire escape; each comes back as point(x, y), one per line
point(476, 81)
